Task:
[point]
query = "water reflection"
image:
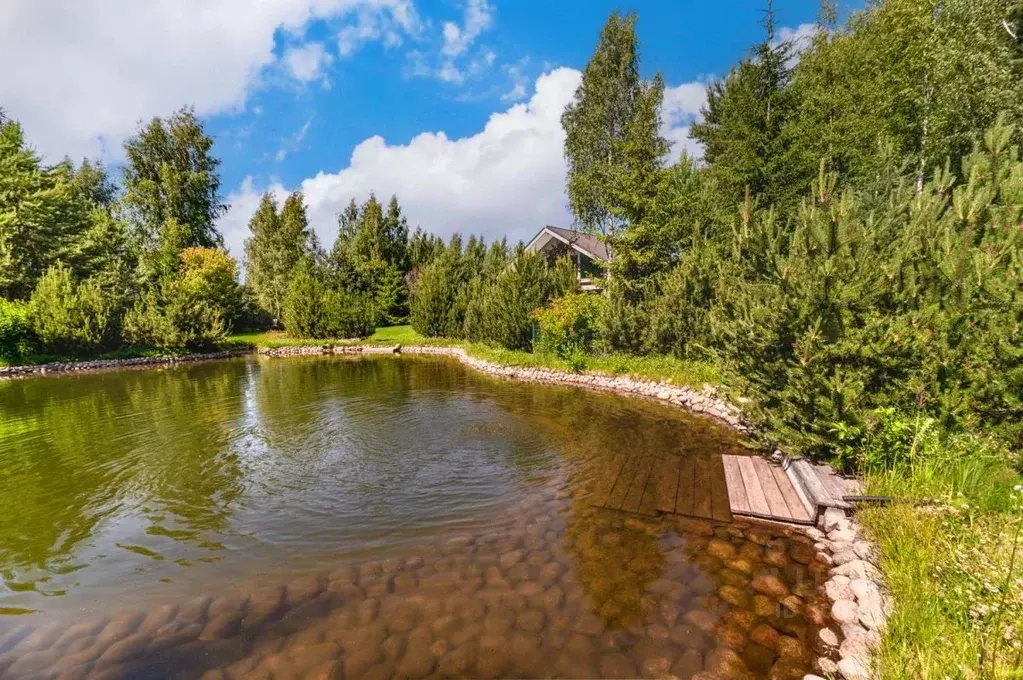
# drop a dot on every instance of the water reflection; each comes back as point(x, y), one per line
point(367, 518)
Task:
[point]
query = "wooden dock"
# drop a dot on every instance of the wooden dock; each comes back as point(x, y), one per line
point(718, 487)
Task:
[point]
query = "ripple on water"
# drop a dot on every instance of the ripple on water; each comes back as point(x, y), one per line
point(367, 518)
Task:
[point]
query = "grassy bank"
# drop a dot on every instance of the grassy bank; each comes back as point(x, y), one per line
point(666, 369)
point(953, 564)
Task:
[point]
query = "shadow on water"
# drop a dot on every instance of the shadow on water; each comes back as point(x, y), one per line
point(368, 518)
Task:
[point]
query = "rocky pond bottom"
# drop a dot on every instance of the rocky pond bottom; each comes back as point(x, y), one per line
point(371, 519)
point(610, 597)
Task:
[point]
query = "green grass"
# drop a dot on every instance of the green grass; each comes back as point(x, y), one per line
point(949, 565)
point(396, 335)
point(277, 339)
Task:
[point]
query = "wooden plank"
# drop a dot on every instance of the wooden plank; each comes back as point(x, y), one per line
point(737, 500)
point(754, 491)
point(621, 487)
point(832, 484)
point(638, 486)
point(651, 492)
point(804, 474)
point(701, 488)
point(685, 497)
point(667, 483)
point(797, 510)
point(775, 499)
point(719, 505)
point(608, 476)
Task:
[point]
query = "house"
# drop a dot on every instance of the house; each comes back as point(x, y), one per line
point(588, 252)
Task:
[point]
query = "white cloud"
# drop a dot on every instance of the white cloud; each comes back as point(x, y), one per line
point(519, 82)
point(307, 62)
point(457, 61)
point(506, 180)
point(88, 70)
point(372, 24)
point(681, 108)
point(800, 36)
point(458, 39)
point(293, 142)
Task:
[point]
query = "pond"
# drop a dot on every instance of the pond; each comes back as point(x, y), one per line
point(365, 518)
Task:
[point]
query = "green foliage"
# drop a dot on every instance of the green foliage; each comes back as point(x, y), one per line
point(623, 318)
point(371, 257)
point(210, 275)
point(568, 326)
point(193, 308)
point(303, 314)
point(171, 191)
point(347, 315)
point(434, 308)
point(68, 317)
point(314, 310)
point(911, 302)
point(744, 124)
point(16, 338)
point(41, 214)
point(612, 134)
point(279, 241)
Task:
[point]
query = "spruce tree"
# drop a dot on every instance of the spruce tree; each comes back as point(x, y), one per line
point(41, 214)
point(279, 241)
point(743, 124)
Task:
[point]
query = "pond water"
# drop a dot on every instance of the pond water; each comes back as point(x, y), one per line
point(368, 518)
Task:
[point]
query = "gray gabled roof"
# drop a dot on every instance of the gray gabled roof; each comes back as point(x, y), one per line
point(588, 244)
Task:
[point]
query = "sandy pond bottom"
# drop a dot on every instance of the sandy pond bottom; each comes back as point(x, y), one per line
point(370, 520)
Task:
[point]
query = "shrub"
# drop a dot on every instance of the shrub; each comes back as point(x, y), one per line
point(16, 338)
point(303, 308)
point(211, 275)
point(434, 311)
point(500, 312)
point(312, 310)
point(624, 318)
point(568, 326)
point(69, 317)
point(171, 316)
point(346, 315)
point(678, 320)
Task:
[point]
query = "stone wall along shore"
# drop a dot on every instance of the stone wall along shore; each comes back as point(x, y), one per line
point(100, 364)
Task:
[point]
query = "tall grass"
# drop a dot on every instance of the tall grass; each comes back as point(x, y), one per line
point(949, 550)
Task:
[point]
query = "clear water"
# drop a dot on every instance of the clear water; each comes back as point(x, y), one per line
point(336, 517)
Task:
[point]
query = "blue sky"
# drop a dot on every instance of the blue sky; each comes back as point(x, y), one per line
point(451, 104)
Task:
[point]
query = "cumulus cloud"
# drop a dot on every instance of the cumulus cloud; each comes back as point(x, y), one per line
point(458, 39)
point(307, 62)
point(88, 70)
point(681, 108)
point(372, 24)
point(506, 180)
point(457, 60)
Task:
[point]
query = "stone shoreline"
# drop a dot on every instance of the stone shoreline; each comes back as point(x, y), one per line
point(100, 364)
point(855, 586)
